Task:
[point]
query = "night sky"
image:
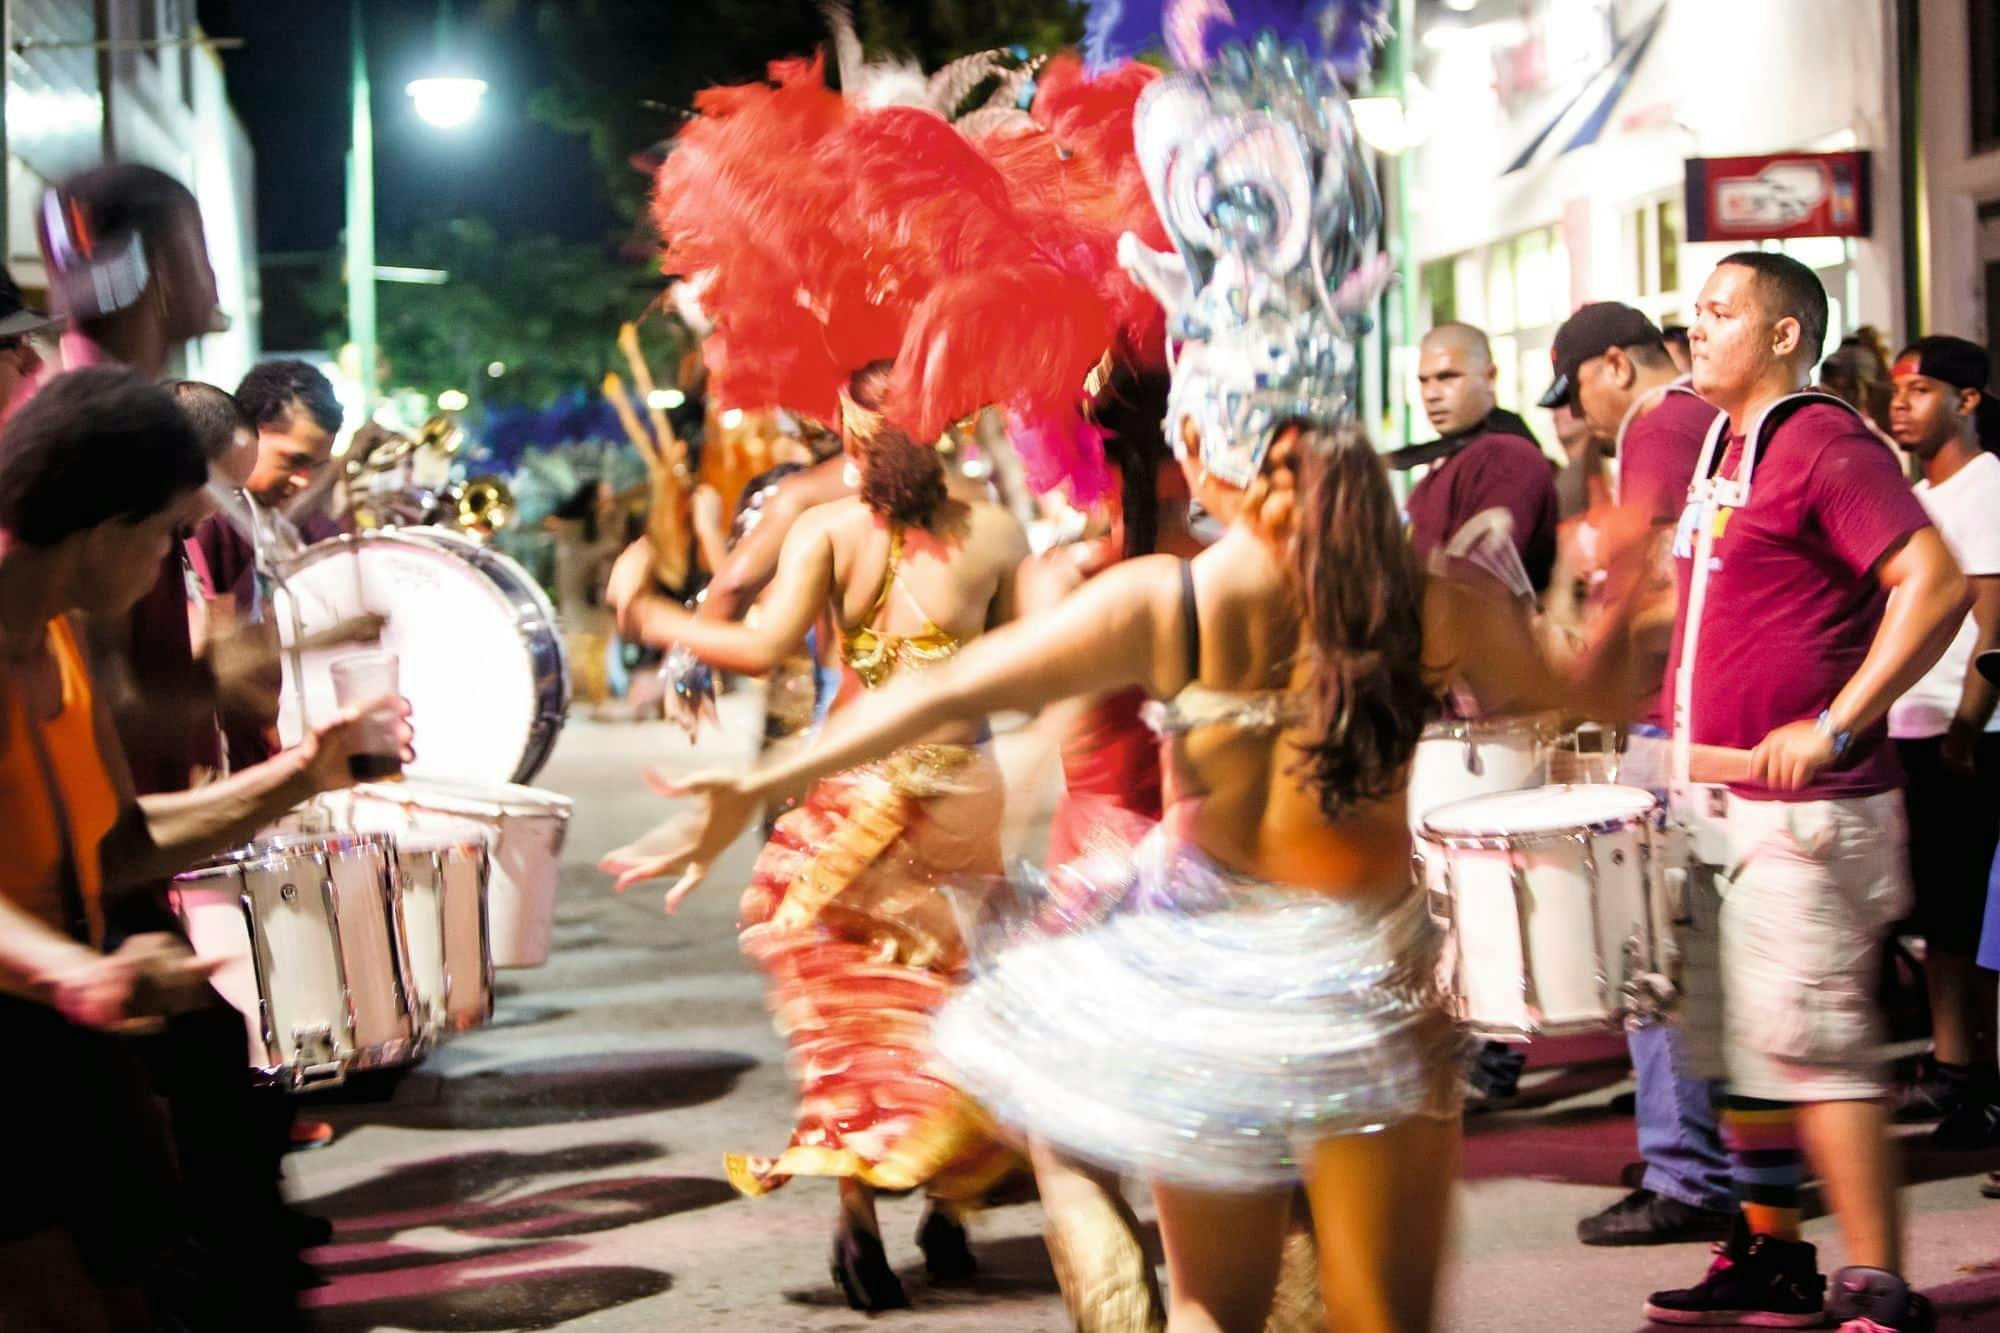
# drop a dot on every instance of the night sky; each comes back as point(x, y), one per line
point(290, 87)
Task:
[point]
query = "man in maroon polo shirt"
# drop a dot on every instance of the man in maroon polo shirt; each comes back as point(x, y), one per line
point(1485, 457)
point(1613, 367)
point(1795, 650)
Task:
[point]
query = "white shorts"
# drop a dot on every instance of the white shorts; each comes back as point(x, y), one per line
point(1813, 888)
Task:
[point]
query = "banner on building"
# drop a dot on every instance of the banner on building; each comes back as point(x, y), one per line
point(1778, 196)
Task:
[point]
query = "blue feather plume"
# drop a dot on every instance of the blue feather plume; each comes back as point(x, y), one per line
point(1342, 32)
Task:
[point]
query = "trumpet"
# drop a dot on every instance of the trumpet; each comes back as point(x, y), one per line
point(481, 505)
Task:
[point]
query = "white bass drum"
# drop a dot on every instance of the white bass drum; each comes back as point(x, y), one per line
point(480, 656)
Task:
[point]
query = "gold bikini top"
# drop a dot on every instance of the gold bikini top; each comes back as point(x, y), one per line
point(873, 653)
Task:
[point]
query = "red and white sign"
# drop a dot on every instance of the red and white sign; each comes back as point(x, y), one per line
point(1779, 196)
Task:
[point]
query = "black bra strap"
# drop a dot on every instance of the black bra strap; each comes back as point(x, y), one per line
point(1190, 622)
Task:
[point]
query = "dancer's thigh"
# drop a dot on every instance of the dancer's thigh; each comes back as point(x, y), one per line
point(1222, 1256)
point(1381, 1204)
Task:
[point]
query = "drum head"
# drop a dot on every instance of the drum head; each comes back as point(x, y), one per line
point(1539, 810)
point(473, 650)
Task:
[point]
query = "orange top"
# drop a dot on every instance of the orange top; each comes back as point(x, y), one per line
point(31, 870)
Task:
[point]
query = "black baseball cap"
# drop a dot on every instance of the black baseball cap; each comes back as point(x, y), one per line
point(1592, 331)
point(16, 318)
point(1955, 361)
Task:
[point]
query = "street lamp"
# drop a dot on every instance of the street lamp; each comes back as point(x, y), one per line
point(447, 101)
point(443, 102)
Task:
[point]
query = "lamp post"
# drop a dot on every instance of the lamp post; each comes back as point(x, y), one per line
point(445, 101)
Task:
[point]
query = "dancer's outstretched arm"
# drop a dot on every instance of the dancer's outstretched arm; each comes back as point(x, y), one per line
point(784, 614)
point(1122, 628)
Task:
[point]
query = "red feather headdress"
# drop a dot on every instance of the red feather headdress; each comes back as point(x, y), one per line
point(835, 235)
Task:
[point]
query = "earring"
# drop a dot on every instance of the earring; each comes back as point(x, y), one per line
point(850, 476)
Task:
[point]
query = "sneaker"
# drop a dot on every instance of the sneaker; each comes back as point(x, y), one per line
point(1645, 1218)
point(1938, 1092)
point(1874, 1300)
point(309, 1134)
point(1990, 1186)
point(1972, 1127)
point(1754, 1282)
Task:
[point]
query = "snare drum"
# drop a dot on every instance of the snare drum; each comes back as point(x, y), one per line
point(1551, 899)
point(526, 828)
point(443, 872)
point(314, 952)
point(1461, 758)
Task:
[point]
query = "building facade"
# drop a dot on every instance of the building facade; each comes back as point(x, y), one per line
point(1959, 125)
point(135, 81)
point(1551, 147)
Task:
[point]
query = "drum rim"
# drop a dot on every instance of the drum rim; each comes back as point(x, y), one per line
point(1494, 837)
point(1538, 726)
point(278, 847)
point(513, 798)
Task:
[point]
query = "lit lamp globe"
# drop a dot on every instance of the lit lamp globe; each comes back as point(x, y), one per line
point(447, 101)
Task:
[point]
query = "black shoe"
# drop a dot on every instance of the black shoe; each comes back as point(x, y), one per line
point(1937, 1093)
point(1624, 1103)
point(1754, 1282)
point(1990, 1187)
point(861, 1271)
point(947, 1255)
point(1971, 1128)
point(1645, 1218)
point(1874, 1300)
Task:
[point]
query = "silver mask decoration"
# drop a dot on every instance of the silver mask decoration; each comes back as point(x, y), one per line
point(1254, 166)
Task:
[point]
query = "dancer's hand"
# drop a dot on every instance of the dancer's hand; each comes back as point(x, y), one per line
point(688, 843)
point(631, 576)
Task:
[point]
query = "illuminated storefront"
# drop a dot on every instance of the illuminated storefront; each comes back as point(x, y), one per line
point(1552, 143)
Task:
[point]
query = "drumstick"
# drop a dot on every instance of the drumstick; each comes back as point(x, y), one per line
point(1718, 764)
point(614, 389)
point(671, 451)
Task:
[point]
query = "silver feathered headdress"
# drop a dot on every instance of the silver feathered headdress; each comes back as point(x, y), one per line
point(1253, 163)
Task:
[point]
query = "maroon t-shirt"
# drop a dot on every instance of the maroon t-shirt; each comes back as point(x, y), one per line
point(230, 569)
point(1657, 457)
point(1493, 471)
point(1792, 602)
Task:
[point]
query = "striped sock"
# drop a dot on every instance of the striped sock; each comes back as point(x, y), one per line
point(1763, 1138)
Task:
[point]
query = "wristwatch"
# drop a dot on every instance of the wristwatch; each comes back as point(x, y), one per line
point(1841, 739)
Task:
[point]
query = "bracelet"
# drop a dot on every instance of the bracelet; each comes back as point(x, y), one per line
point(1841, 739)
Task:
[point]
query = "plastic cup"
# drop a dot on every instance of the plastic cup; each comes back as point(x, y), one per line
point(363, 678)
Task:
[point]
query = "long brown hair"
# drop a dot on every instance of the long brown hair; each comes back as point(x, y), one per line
point(1361, 586)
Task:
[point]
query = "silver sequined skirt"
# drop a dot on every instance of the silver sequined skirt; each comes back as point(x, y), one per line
point(1167, 1019)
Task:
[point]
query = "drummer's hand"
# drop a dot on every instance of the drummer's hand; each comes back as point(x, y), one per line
point(171, 980)
point(688, 843)
point(1790, 756)
point(129, 990)
point(354, 732)
point(243, 658)
point(631, 576)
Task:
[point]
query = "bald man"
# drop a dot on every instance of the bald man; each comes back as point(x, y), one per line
point(1485, 458)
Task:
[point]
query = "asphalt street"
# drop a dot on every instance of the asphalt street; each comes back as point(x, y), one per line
point(562, 1168)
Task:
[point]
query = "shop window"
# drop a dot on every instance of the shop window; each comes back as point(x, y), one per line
point(1983, 29)
point(1672, 227)
point(1441, 290)
point(1500, 287)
